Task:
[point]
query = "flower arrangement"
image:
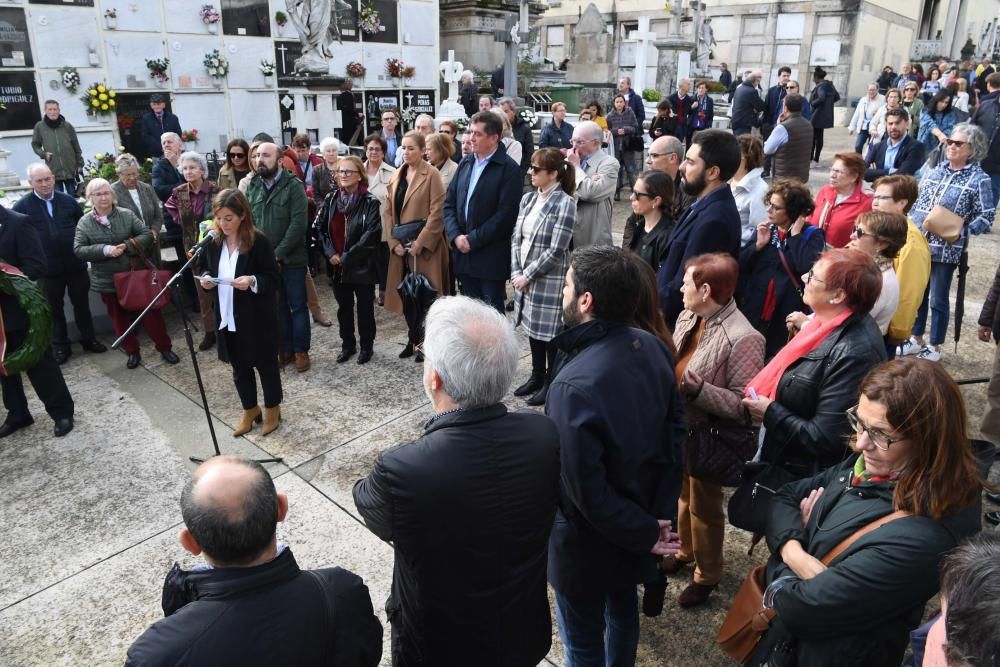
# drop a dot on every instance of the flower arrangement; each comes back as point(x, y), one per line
point(370, 21)
point(216, 64)
point(356, 70)
point(397, 69)
point(281, 18)
point(189, 136)
point(99, 100)
point(102, 166)
point(70, 78)
point(209, 14)
point(125, 122)
point(158, 68)
point(528, 116)
point(409, 116)
point(267, 67)
point(111, 13)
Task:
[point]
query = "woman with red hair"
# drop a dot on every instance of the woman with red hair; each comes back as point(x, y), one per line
point(841, 201)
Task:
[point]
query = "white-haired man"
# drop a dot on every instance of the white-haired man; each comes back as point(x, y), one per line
point(596, 179)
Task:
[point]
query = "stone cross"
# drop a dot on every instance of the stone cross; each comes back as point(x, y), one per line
point(644, 37)
point(513, 33)
point(451, 72)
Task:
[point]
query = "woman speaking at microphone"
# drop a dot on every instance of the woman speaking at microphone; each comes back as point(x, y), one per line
point(246, 314)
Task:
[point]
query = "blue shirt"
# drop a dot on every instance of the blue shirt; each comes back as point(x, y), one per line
point(391, 145)
point(48, 202)
point(890, 154)
point(477, 170)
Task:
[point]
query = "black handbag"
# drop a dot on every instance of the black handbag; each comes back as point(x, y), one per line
point(717, 451)
point(750, 506)
point(635, 142)
point(408, 231)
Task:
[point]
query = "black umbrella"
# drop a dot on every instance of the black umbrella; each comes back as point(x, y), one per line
point(417, 294)
point(963, 268)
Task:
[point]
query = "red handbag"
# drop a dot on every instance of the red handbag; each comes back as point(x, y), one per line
point(135, 288)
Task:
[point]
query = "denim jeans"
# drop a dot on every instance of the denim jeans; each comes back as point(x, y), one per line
point(582, 623)
point(937, 296)
point(995, 182)
point(859, 143)
point(293, 311)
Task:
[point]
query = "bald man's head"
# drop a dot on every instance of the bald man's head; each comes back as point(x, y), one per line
point(266, 160)
point(231, 509)
point(665, 154)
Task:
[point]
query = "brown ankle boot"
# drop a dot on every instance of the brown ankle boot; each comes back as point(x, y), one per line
point(249, 417)
point(271, 418)
point(285, 358)
point(302, 361)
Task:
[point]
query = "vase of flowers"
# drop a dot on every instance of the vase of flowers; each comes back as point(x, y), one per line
point(99, 100)
point(280, 19)
point(398, 70)
point(70, 78)
point(210, 17)
point(158, 70)
point(217, 66)
point(267, 69)
point(111, 18)
point(189, 136)
point(356, 70)
point(370, 21)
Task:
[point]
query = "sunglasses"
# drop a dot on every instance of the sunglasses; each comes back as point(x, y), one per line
point(535, 168)
point(955, 142)
point(235, 156)
point(639, 195)
point(859, 232)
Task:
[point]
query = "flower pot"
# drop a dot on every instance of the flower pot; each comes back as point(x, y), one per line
point(111, 23)
point(213, 27)
point(281, 31)
point(158, 83)
point(217, 83)
point(104, 119)
point(268, 78)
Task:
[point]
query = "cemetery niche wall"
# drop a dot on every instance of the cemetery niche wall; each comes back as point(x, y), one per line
point(231, 72)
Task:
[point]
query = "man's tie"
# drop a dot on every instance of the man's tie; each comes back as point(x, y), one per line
point(159, 118)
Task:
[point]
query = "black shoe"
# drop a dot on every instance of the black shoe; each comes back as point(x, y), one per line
point(9, 427)
point(61, 355)
point(993, 498)
point(618, 196)
point(533, 384)
point(509, 306)
point(170, 357)
point(419, 358)
point(346, 354)
point(364, 357)
point(992, 517)
point(63, 426)
point(93, 346)
point(539, 397)
point(134, 360)
point(207, 343)
point(407, 351)
point(653, 593)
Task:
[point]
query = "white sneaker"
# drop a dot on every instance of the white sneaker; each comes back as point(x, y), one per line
point(911, 347)
point(929, 354)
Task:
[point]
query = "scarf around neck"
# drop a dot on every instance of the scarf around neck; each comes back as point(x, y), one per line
point(53, 123)
point(346, 201)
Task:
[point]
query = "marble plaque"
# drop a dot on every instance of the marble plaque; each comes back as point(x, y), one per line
point(824, 52)
point(127, 55)
point(421, 101)
point(787, 54)
point(19, 95)
point(419, 23)
point(754, 25)
point(15, 48)
point(245, 55)
point(187, 56)
point(375, 103)
point(182, 16)
point(389, 30)
point(205, 112)
point(790, 26)
point(253, 112)
point(246, 18)
point(286, 52)
point(65, 38)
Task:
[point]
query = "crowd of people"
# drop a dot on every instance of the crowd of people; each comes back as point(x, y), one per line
point(743, 316)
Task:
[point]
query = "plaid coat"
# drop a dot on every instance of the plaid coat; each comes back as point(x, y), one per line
point(545, 264)
point(966, 192)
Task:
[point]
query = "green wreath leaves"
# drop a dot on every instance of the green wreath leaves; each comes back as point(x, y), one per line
point(29, 296)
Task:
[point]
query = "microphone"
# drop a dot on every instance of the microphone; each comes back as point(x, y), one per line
point(210, 237)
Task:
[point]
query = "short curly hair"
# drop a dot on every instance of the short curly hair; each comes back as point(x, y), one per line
point(797, 197)
point(890, 228)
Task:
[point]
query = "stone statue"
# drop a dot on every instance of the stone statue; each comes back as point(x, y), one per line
point(677, 11)
point(316, 23)
point(706, 40)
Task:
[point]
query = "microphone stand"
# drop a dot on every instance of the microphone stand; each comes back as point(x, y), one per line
point(174, 283)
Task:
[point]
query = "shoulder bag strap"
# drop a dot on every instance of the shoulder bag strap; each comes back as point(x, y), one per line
point(861, 532)
point(788, 270)
point(140, 253)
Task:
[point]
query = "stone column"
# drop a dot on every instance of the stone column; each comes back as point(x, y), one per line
point(673, 62)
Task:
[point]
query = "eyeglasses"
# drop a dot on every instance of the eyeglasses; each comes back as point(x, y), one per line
point(837, 173)
point(639, 195)
point(657, 156)
point(236, 156)
point(346, 172)
point(535, 168)
point(878, 438)
point(956, 142)
point(374, 149)
point(773, 207)
point(859, 232)
point(811, 276)
point(577, 142)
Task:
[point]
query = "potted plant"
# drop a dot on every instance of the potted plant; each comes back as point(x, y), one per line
point(70, 78)
point(267, 69)
point(111, 18)
point(217, 66)
point(158, 70)
point(99, 101)
point(280, 19)
point(651, 95)
point(356, 70)
point(370, 21)
point(394, 68)
point(189, 136)
point(210, 17)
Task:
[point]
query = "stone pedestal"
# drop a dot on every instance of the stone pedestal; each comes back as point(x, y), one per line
point(467, 28)
point(594, 58)
point(8, 179)
point(673, 62)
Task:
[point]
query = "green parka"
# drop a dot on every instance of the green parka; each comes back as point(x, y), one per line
point(280, 213)
point(61, 142)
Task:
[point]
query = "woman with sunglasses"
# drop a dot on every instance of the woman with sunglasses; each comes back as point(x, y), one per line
point(648, 228)
point(801, 395)
point(937, 121)
point(881, 235)
point(913, 469)
point(913, 105)
point(237, 164)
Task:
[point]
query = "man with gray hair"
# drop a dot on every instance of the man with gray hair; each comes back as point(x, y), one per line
point(424, 124)
point(747, 104)
point(155, 122)
point(666, 154)
point(596, 180)
point(54, 140)
point(468, 505)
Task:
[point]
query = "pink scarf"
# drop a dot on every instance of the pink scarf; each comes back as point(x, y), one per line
point(813, 332)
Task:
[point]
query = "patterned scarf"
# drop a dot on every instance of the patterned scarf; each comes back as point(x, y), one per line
point(346, 201)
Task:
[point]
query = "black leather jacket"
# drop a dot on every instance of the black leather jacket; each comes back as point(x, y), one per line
point(806, 426)
point(364, 229)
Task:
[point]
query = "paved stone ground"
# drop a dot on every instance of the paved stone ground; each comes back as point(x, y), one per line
point(91, 519)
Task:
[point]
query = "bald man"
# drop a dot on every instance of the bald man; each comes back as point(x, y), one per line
point(666, 154)
point(252, 605)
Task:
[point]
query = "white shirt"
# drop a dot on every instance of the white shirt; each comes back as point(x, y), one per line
point(138, 204)
point(227, 269)
point(888, 299)
point(531, 222)
point(749, 194)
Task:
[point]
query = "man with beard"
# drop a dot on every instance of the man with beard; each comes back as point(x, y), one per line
point(899, 153)
point(278, 202)
point(615, 402)
point(54, 140)
point(711, 223)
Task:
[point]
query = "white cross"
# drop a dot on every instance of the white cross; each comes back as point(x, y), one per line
point(409, 100)
point(284, 67)
point(451, 72)
point(645, 38)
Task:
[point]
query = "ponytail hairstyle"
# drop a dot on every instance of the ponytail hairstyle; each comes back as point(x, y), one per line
point(659, 184)
point(551, 159)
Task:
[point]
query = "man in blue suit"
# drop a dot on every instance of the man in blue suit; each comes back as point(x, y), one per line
point(898, 152)
point(155, 122)
point(711, 223)
point(480, 210)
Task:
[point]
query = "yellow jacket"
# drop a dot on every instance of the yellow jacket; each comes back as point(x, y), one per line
point(913, 270)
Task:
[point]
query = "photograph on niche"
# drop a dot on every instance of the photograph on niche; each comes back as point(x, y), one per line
point(15, 49)
point(246, 18)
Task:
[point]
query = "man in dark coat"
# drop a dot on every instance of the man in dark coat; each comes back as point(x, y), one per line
point(157, 121)
point(54, 215)
point(633, 99)
point(350, 116)
point(821, 101)
point(480, 210)
point(898, 153)
point(615, 402)
point(774, 105)
point(725, 76)
point(747, 105)
point(20, 248)
point(680, 102)
point(253, 606)
point(521, 130)
point(711, 223)
point(987, 117)
point(468, 506)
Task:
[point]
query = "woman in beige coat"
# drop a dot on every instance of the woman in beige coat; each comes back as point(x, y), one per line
point(416, 193)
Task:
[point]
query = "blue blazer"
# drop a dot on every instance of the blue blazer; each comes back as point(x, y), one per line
point(55, 232)
point(151, 131)
point(773, 105)
point(711, 224)
point(19, 246)
point(908, 160)
point(492, 213)
point(635, 103)
point(693, 113)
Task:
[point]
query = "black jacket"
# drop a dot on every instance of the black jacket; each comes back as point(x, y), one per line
point(263, 616)
point(637, 106)
point(908, 160)
point(165, 178)
point(821, 101)
point(255, 315)
point(747, 106)
point(151, 131)
point(860, 610)
point(806, 426)
point(652, 247)
point(468, 507)
point(55, 232)
point(364, 233)
point(987, 117)
point(468, 96)
point(620, 458)
point(19, 246)
point(492, 214)
point(990, 314)
point(759, 267)
point(773, 105)
point(523, 135)
point(711, 224)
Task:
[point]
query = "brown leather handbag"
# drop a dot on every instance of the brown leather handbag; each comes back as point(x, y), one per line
point(944, 223)
point(135, 288)
point(748, 620)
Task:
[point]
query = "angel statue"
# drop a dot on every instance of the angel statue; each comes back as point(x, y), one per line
point(316, 23)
